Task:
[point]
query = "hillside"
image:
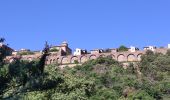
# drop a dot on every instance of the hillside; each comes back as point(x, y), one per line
point(100, 79)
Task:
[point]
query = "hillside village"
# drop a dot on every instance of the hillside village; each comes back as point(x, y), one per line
point(63, 55)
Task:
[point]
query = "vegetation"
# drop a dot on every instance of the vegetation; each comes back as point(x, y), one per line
point(76, 62)
point(3, 52)
point(98, 79)
point(122, 48)
point(54, 50)
point(26, 53)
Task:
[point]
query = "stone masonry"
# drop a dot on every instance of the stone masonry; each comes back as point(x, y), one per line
point(132, 55)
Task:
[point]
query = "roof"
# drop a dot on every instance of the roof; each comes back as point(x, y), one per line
point(96, 49)
point(149, 46)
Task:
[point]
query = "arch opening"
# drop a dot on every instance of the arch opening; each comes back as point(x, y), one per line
point(83, 59)
point(121, 58)
point(131, 57)
point(74, 59)
point(93, 57)
point(65, 60)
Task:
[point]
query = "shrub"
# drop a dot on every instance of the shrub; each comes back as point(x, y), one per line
point(26, 53)
point(122, 48)
point(54, 50)
point(76, 61)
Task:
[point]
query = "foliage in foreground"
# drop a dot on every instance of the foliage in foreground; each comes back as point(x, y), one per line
point(100, 79)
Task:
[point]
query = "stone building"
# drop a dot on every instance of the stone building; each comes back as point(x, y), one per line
point(133, 49)
point(64, 56)
point(80, 52)
point(152, 48)
point(96, 51)
point(15, 52)
point(24, 50)
point(62, 49)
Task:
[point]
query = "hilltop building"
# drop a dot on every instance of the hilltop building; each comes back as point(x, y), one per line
point(62, 49)
point(62, 54)
point(80, 52)
point(152, 48)
point(96, 51)
point(133, 49)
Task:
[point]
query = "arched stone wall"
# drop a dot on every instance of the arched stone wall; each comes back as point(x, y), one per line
point(54, 60)
point(58, 60)
point(73, 59)
point(121, 58)
point(131, 57)
point(65, 60)
point(83, 59)
point(92, 57)
point(51, 61)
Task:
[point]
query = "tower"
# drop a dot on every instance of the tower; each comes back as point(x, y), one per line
point(64, 46)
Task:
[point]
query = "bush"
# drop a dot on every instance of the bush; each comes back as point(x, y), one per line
point(122, 48)
point(54, 50)
point(76, 61)
point(102, 78)
point(26, 53)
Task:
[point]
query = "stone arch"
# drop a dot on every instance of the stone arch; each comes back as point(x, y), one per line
point(121, 58)
point(131, 57)
point(51, 61)
point(65, 60)
point(92, 57)
point(139, 57)
point(83, 59)
point(58, 60)
point(54, 60)
point(73, 59)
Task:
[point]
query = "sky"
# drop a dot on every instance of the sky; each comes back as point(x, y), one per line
point(86, 24)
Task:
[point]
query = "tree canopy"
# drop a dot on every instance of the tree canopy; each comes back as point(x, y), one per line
point(122, 48)
point(99, 79)
point(103, 78)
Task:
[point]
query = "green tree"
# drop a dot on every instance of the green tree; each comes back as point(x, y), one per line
point(122, 48)
point(2, 52)
point(43, 58)
point(102, 78)
point(2, 40)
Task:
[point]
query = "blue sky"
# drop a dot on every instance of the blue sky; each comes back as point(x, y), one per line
point(86, 24)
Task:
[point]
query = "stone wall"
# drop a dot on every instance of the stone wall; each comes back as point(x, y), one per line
point(119, 56)
point(70, 59)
